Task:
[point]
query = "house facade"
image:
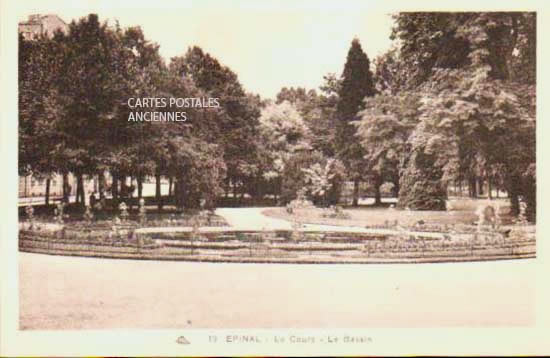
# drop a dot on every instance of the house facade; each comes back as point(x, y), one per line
point(42, 24)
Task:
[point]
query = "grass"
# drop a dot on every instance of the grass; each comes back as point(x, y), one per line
point(462, 211)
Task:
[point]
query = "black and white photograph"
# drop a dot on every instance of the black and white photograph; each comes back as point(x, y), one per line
point(272, 178)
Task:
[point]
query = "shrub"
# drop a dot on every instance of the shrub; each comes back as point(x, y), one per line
point(301, 202)
point(336, 212)
point(421, 187)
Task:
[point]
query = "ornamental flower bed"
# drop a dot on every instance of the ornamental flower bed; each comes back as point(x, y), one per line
point(278, 246)
point(273, 236)
point(175, 220)
point(92, 238)
point(104, 220)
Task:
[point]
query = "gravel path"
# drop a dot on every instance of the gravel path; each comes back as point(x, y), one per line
point(58, 292)
point(254, 219)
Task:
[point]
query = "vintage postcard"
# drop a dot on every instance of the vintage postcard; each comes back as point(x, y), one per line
point(273, 178)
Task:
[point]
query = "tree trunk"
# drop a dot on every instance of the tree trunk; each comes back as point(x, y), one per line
point(140, 186)
point(82, 190)
point(130, 193)
point(170, 189)
point(241, 195)
point(259, 190)
point(489, 189)
point(377, 194)
point(514, 202)
point(158, 194)
point(176, 195)
point(480, 186)
point(395, 190)
point(178, 192)
point(279, 190)
point(114, 190)
point(355, 192)
point(472, 187)
point(123, 190)
point(80, 194)
point(48, 191)
point(77, 197)
point(226, 188)
point(101, 185)
point(66, 187)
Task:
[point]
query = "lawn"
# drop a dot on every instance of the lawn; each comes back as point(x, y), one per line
point(461, 211)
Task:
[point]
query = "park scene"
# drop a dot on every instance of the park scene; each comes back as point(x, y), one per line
point(442, 144)
point(425, 153)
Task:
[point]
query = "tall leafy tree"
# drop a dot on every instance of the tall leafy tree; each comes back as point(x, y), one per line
point(40, 108)
point(97, 71)
point(285, 136)
point(357, 83)
point(318, 112)
point(386, 124)
point(236, 124)
point(141, 153)
point(465, 66)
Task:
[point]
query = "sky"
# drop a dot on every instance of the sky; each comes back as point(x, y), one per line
point(269, 44)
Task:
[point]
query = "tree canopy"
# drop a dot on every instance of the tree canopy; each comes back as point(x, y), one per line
point(458, 92)
point(453, 101)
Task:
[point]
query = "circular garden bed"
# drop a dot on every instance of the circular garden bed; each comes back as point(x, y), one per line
point(219, 244)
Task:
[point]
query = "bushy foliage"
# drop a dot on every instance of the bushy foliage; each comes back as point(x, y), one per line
point(453, 106)
point(74, 91)
point(293, 179)
point(420, 181)
point(199, 170)
point(324, 182)
point(452, 100)
point(285, 141)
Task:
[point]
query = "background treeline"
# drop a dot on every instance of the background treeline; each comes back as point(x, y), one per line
point(452, 103)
